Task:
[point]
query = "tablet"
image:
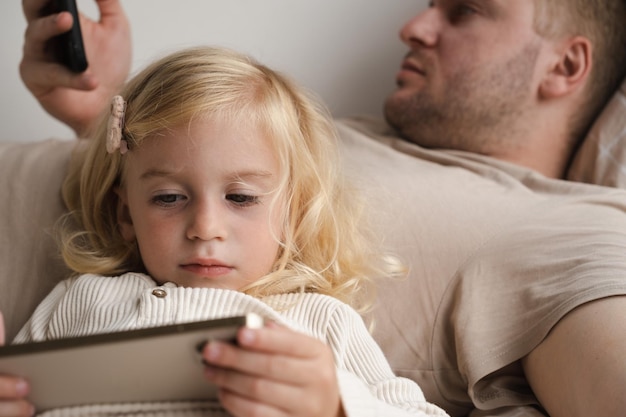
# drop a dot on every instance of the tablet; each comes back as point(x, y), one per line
point(145, 365)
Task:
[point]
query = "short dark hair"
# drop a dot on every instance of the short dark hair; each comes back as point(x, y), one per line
point(603, 22)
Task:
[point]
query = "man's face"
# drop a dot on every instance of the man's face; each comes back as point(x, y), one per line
point(469, 76)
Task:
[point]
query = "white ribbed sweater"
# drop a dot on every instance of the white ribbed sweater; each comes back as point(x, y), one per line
point(92, 304)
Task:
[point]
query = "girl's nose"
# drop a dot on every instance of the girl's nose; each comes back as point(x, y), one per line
point(206, 222)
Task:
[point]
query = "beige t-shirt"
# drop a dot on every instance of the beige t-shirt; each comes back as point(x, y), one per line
point(498, 254)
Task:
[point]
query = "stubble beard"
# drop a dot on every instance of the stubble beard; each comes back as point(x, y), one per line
point(480, 111)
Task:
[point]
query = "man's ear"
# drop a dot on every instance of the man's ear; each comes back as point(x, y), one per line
point(570, 69)
point(124, 220)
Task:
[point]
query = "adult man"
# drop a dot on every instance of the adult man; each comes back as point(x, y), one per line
point(480, 80)
point(453, 91)
point(503, 81)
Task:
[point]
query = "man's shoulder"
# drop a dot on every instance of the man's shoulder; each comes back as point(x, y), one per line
point(370, 141)
point(366, 125)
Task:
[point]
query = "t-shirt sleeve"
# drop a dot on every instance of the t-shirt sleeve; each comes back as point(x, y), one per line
point(513, 291)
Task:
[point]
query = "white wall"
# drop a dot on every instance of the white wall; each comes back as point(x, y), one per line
point(347, 51)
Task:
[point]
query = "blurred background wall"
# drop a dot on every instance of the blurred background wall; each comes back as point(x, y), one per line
point(347, 51)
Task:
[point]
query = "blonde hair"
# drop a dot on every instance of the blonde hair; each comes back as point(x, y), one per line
point(325, 247)
point(603, 22)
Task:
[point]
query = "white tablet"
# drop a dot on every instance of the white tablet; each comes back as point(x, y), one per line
point(146, 365)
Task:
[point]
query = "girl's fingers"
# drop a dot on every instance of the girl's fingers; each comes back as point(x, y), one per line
point(2, 331)
point(238, 405)
point(278, 354)
point(280, 340)
point(239, 392)
point(12, 388)
point(18, 408)
point(255, 387)
point(277, 367)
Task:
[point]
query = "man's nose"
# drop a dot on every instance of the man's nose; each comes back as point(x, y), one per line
point(422, 29)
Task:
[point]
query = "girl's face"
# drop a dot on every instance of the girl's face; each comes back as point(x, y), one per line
point(197, 199)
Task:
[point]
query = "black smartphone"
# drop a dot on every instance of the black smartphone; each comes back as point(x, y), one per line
point(68, 47)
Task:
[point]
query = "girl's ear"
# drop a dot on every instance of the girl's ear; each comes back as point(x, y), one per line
point(124, 220)
point(570, 69)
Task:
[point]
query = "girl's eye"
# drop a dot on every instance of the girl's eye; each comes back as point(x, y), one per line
point(243, 199)
point(167, 200)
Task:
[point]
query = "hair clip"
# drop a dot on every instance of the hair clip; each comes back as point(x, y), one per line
point(115, 127)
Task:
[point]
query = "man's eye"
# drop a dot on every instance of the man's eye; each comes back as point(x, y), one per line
point(242, 199)
point(462, 11)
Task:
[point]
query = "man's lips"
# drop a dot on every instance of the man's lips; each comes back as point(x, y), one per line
point(410, 71)
point(412, 66)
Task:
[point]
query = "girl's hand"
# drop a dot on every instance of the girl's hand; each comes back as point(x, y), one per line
point(274, 372)
point(13, 390)
point(76, 99)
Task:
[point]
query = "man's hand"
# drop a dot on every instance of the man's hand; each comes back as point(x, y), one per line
point(76, 99)
point(274, 372)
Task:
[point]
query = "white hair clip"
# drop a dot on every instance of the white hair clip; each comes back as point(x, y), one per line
point(115, 127)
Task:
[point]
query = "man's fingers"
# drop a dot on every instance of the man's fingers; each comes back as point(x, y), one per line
point(109, 8)
point(32, 8)
point(42, 30)
point(52, 75)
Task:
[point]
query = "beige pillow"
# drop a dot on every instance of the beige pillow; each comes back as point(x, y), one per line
point(30, 186)
point(602, 157)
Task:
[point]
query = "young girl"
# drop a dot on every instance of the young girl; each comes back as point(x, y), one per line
point(212, 189)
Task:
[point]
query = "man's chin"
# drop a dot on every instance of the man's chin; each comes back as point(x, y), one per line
point(394, 109)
